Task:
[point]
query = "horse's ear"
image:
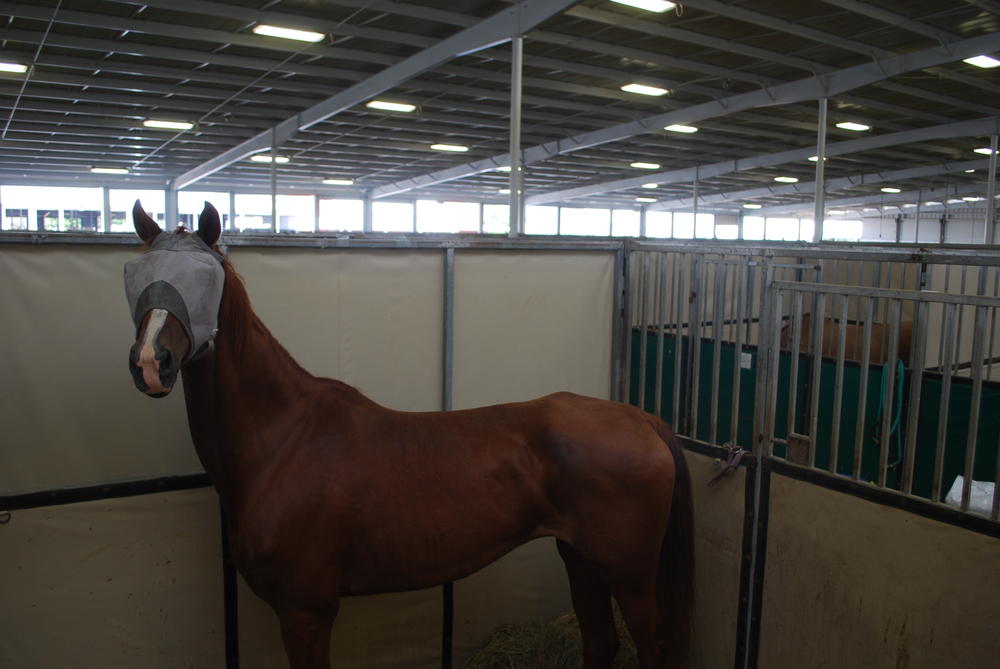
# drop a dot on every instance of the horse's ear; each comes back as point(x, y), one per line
point(209, 225)
point(145, 226)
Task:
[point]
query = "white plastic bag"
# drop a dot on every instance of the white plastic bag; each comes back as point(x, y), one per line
point(980, 495)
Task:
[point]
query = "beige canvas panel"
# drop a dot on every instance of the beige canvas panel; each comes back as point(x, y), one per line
point(528, 324)
point(527, 584)
point(132, 582)
point(378, 632)
point(850, 583)
point(372, 319)
point(718, 536)
point(70, 412)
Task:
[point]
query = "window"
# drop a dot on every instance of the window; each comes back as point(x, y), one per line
point(727, 231)
point(191, 203)
point(253, 212)
point(296, 213)
point(574, 221)
point(392, 217)
point(782, 228)
point(683, 225)
point(496, 219)
point(122, 201)
point(705, 226)
point(15, 219)
point(434, 216)
point(55, 208)
point(843, 230)
point(341, 214)
point(753, 227)
point(541, 220)
point(659, 224)
point(625, 223)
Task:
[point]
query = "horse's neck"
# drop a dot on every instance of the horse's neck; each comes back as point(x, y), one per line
point(237, 393)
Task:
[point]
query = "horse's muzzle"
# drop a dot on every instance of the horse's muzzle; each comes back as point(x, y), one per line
point(155, 378)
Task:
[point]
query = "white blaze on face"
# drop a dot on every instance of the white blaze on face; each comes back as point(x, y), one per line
point(147, 352)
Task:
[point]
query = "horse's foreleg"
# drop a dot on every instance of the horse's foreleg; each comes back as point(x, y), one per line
point(592, 604)
point(636, 598)
point(306, 635)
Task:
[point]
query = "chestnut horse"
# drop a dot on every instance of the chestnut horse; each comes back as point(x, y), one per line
point(329, 494)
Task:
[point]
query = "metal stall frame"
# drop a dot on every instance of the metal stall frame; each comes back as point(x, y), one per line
point(774, 288)
point(447, 246)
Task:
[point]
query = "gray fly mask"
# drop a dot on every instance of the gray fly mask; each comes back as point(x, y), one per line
point(182, 275)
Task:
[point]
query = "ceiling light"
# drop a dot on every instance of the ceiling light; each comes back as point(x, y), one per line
point(931, 203)
point(968, 198)
point(969, 171)
point(13, 67)
point(986, 151)
point(982, 61)
point(909, 205)
point(954, 201)
point(890, 189)
point(645, 166)
point(109, 170)
point(869, 209)
point(645, 199)
point(787, 180)
point(385, 105)
point(458, 148)
point(266, 158)
point(167, 125)
point(503, 191)
point(836, 212)
point(850, 125)
point(677, 127)
point(658, 6)
point(751, 205)
point(642, 89)
point(815, 159)
point(287, 33)
point(339, 182)
point(650, 185)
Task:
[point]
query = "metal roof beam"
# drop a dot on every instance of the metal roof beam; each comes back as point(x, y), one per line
point(811, 88)
point(895, 200)
point(734, 197)
point(500, 27)
point(983, 126)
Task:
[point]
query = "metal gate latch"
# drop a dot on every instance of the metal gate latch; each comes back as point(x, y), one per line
point(732, 462)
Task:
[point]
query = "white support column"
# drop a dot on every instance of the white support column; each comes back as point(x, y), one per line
point(232, 211)
point(315, 213)
point(170, 208)
point(274, 182)
point(516, 168)
point(366, 224)
point(991, 192)
point(106, 214)
point(819, 210)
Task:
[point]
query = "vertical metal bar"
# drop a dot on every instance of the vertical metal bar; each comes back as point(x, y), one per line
point(661, 316)
point(366, 212)
point(961, 313)
point(679, 264)
point(643, 329)
point(619, 328)
point(516, 167)
point(274, 183)
point(698, 282)
point(734, 411)
point(315, 213)
point(819, 204)
point(991, 191)
point(232, 211)
point(977, 394)
point(766, 383)
point(718, 318)
point(819, 320)
point(628, 315)
point(866, 355)
point(890, 387)
point(796, 354)
point(171, 209)
point(947, 358)
point(838, 385)
point(774, 335)
point(917, 355)
point(106, 208)
point(642, 221)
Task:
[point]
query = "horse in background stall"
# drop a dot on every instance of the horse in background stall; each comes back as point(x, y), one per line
point(854, 337)
point(329, 494)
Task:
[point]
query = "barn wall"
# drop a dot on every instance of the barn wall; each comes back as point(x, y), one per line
point(851, 583)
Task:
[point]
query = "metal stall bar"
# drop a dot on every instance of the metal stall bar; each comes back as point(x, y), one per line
point(818, 319)
point(890, 385)
point(619, 344)
point(945, 365)
point(796, 349)
point(643, 302)
point(694, 344)
point(917, 355)
point(866, 356)
point(628, 314)
point(661, 317)
point(717, 328)
point(738, 290)
point(680, 261)
point(516, 215)
point(838, 386)
point(977, 394)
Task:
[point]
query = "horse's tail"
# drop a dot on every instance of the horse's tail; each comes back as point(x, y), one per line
point(675, 583)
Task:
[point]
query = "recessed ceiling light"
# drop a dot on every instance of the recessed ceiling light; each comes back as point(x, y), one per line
point(856, 127)
point(658, 6)
point(931, 203)
point(385, 105)
point(645, 199)
point(986, 151)
point(751, 205)
point(109, 170)
point(890, 189)
point(909, 205)
point(266, 158)
point(969, 171)
point(339, 182)
point(969, 198)
point(642, 89)
point(869, 209)
point(167, 125)
point(787, 180)
point(836, 212)
point(13, 67)
point(504, 168)
point(503, 191)
point(458, 148)
point(287, 33)
point(982, 61)
point(678, 127)
point(645, 166)
point(954, 201)
point(650, 185)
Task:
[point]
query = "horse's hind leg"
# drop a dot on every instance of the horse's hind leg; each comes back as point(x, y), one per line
point(306, 635)
point(592, 604)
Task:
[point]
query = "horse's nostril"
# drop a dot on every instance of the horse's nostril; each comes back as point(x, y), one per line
point(165, 359)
